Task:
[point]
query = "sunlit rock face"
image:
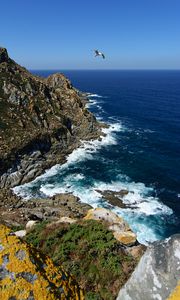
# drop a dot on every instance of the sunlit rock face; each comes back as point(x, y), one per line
point(25, 273)
point(157, 275)
point(41, 121)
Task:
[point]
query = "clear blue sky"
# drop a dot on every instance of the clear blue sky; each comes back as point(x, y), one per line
point(61, 34)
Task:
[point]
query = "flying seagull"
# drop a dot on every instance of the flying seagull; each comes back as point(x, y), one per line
point(97, 53)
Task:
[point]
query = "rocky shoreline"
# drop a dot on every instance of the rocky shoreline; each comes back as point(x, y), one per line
point(42, 120)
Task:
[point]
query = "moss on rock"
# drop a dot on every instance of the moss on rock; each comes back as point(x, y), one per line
point(25, 273)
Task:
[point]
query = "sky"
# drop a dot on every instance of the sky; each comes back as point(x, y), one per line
point(61, 34)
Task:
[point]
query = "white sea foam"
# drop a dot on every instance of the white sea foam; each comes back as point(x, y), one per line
point(94, 95)
point(87, 148)
point(84, 152)
point(141, 206)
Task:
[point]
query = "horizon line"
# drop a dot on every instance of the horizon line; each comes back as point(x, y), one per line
point(32, 69)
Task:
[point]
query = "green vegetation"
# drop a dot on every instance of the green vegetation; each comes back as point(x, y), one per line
point(89, 251)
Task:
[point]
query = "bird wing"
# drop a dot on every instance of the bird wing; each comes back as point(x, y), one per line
point(103, 55)
point(96, 51)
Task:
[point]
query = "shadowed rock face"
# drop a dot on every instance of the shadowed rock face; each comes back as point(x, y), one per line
point(41, 121)
point(3, 55)
point(25, 273)
point(157, 274)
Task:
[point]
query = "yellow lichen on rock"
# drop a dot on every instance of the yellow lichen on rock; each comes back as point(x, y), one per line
point(175, 295)
point(126, 238)
point(25, 273)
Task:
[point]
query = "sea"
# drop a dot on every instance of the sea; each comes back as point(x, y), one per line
point(140, 152)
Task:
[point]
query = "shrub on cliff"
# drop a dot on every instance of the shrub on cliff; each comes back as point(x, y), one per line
point(90, 252)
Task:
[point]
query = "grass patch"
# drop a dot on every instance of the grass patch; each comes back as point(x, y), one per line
point(89, 251)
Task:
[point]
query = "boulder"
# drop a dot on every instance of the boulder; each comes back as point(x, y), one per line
point(30, 225)
point(157, 274)
point(103, 214)
point(20, 233)
point(127, 238)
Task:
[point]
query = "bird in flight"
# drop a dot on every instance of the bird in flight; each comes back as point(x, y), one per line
point(97, 53)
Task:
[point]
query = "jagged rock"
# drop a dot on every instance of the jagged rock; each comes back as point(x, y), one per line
point(120, 228)
point(137, 251)
point(114, 198)
point(27, 274)
point(35, 215)
point(30, 225)
point(45, 115)
point(3, 55)
point(157, 274)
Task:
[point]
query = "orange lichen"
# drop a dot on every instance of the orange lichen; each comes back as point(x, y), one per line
point(175, 295)
point(26, 272)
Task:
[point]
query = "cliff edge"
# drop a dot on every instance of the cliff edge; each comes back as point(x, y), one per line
point(41, 121)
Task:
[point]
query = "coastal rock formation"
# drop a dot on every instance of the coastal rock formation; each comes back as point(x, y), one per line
point(25, 273)
point(16, 212)
point(157, 274)
point(117, 225)
point(41, 121)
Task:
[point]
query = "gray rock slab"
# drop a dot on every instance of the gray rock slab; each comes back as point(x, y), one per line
point(157, 273)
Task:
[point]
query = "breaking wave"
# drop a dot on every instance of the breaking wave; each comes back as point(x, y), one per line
point(85, 172)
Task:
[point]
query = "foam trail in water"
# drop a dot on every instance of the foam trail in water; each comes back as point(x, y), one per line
point(143, 211)
point(94, 95)
point(84, 152)
point(141, 205)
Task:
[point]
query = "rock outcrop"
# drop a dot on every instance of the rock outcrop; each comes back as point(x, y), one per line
point(25, 273)
point(157, 275)
point(116, 224)
point(16, 212)
point(41, 121)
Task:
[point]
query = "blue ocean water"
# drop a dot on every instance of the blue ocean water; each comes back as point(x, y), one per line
point(140, 151)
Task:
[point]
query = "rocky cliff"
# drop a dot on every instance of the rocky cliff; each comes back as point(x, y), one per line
point(25, 273)
point(157, 276)
point(41, 121)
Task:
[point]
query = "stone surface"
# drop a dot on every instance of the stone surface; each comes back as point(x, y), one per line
point(126, 238)
point(114, 198)
point(157, 274)
point(175, 295)
point(14, 211)
point(103, 214)
point(27, 274)
point(42, 120)
point(20, 233)
point(137, 251)
point(67, 220)
point(30, 225)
